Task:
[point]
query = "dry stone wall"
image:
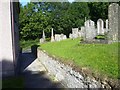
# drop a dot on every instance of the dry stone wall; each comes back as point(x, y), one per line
point(66, 75)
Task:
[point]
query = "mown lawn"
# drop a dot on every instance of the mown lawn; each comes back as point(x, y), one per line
point(101, 58)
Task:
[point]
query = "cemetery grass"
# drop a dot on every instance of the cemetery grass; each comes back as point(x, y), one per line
point(27, 44)
point(101, 59)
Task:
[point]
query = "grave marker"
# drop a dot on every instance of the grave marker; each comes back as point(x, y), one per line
point(113, 16)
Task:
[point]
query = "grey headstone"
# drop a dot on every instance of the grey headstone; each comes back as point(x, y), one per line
point(90, 31)
point(113, 16)
point(75, 32)
point(57, 37)
point(41, 40)
point(79, 33)
point(83, 32)
point(70, 36)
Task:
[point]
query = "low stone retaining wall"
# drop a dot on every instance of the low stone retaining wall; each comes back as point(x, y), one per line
point(65, 74)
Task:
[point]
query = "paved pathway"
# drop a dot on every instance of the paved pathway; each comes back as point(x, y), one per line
point(35, 74)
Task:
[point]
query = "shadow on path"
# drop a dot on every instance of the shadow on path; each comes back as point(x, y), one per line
point(39, 80)
point(34, 73)
point(26, 59)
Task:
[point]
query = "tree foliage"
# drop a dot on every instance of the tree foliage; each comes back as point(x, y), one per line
point(98, 10)
point(61, 16)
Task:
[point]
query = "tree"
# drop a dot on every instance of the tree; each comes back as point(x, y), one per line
point(98, 10)
point(61, 16)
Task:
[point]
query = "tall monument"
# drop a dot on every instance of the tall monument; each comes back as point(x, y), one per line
point(113, 16)
point(43, 35)
point(52, 36)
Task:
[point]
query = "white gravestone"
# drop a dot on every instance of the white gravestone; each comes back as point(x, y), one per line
point(52, 36)
point(57, 37)
point(100, 27)
point(43, 35)
point(75, 32)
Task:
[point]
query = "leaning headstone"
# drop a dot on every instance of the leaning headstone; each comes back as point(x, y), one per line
point(100, 27)
point(52, 36)
point(113, 16)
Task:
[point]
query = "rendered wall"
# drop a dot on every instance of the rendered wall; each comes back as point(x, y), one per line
point(6, 45)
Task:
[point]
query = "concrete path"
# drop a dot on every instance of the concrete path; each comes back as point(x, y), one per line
point(34, 73)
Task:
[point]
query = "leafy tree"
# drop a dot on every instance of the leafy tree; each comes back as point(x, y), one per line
point(62, 16)
point(98, 10)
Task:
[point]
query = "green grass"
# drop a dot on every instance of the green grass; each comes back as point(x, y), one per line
point(101, 37)
point(13, 82)
point(100, 58)
point(27, 44)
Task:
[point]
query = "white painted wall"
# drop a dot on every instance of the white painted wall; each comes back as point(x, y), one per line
point(6, 52)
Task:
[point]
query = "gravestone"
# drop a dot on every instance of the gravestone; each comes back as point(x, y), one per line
point(119, 25)
point(43, 35)
point(75, 32)
point(64, 37)
point(52, 36)
point(79, 33)
point(113, 16)
point(70, 36)
point(83, 32)
point(90, 31)
point(57, 37)
point(100, 27)
point(41, 40)
point(106, 24)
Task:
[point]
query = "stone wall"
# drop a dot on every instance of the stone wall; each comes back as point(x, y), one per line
point(66, 75)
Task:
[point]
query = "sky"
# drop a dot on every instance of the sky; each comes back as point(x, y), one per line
point(24, 2)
